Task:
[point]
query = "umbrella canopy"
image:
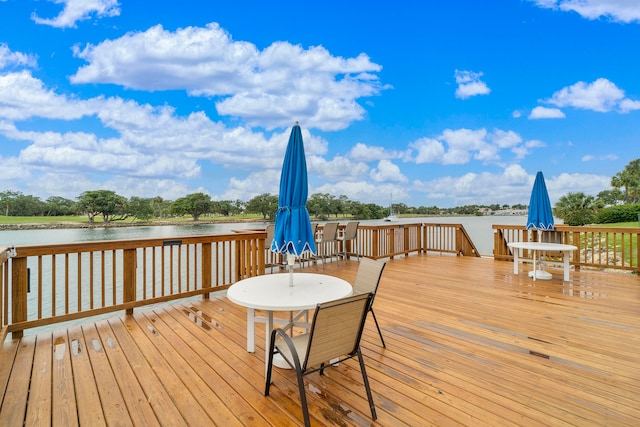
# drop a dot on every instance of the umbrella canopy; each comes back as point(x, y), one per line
point(293, 234)
point(540, 213)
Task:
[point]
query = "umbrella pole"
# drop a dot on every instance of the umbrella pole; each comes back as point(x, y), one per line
point(291, 259)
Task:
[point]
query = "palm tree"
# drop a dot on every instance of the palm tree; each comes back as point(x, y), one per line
point(577, 209)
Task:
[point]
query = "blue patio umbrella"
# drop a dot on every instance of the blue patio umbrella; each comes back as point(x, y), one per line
point(540, 215)
point(293, 235)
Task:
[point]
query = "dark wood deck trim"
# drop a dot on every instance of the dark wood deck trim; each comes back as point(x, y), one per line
point(468, 343)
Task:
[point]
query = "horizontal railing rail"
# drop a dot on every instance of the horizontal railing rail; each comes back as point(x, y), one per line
point(46, 284)
point(598, 247)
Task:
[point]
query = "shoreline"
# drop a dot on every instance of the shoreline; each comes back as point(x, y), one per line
point(64, 225)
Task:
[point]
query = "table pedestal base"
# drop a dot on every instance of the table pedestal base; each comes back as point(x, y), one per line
point(540, 274)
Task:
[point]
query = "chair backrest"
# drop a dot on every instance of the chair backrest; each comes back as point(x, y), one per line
point(336, 329)
point(550, 236)
point(330, 231)
point(351, 231)
point(270, 230)
point(368, 276)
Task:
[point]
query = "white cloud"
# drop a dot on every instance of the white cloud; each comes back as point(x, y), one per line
point(267, 88)
point(505, 139)
point(79, 10)
point(428, 150)
point(22, 97)
point(146, 142)
point(256, 183)
point(387, 172)
point(9, 58)
point(626, 11)
point(606, 157)
point(460, 146)
point(469, 84)
point(339, 168)
point(627, 105)
point(601, 95)
point(546, 113)
point(513, 184)
point(465, 144)
point(368, 153)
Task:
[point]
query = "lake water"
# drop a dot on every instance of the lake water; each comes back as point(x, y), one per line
point(479, 229)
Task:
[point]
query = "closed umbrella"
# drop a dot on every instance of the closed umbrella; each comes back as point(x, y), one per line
point(540, 215)
point(293, 235)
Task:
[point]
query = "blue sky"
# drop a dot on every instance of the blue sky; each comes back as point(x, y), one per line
point(441, 103)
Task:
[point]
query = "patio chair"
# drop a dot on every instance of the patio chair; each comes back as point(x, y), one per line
point(326, 241)
point(367, 281)
point(308, 257)
point(334, 337)
point(350, 234)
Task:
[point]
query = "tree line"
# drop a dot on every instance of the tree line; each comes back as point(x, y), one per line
point(573, 208)
point(111, 206)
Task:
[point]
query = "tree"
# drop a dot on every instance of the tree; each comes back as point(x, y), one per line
point(140, 208)
point(160, 207)
point(629, 179)
point(6, 200)
point(223, 207)
point(265, 204)
point(321, 205)
point(59, 206)
point(103, 202)
point(27, 205)
point(195, 204)
point(577, 209)
point(611, 197)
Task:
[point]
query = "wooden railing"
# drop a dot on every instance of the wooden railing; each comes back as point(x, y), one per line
point(389, 241)
point(451, 238)
point(46, 284)
point(598, 247)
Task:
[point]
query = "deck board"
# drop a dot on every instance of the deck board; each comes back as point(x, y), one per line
point(468, 344)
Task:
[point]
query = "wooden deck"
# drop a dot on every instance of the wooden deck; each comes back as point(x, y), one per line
point(468, 343)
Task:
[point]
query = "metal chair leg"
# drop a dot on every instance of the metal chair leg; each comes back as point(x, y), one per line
point(378, 326)
point(365, 379)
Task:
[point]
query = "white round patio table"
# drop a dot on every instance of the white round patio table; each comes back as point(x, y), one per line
point(542, 247)
point(271, 293)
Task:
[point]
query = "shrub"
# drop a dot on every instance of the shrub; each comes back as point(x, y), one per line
point(620, 213)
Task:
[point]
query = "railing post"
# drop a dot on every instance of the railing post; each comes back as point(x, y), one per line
point(207, 278)
point(262, 249)
point(375, 242)
point(18, 293)
point(129, 277)
point(406, 240)
point(576, 242)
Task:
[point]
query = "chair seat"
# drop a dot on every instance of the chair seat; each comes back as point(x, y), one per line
point(300, 343)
